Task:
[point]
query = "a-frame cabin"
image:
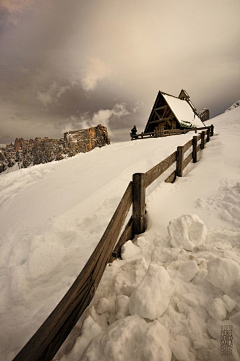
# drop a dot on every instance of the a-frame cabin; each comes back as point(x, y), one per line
point(170, 112)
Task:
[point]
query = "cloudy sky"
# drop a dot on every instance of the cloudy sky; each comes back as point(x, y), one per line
point(71, 64)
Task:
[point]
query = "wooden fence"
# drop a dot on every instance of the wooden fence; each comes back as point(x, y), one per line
point(159, 133)
point(163, 133)
point(49, 337)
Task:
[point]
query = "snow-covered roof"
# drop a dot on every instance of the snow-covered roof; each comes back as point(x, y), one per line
point(183, 111)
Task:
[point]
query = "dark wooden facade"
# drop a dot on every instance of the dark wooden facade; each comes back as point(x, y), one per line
point(162, 116)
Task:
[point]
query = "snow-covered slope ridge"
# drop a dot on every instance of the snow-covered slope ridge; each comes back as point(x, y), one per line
point(53, 215)
point(235, 105)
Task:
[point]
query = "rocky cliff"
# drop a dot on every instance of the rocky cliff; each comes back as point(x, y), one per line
point(44, 150)
point(204, 114)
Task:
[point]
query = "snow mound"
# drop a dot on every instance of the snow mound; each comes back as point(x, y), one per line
point(122, 306)
point(187, 231)
point(129, 250)
point(152, 297)
point(104, 305)
point(217, 309)
point(128, 339)
point(130, 277)
point(180, 348)
point(235, 105)
point(224, 274)
point(229, 303)
point(89, 330)
point(188, 270)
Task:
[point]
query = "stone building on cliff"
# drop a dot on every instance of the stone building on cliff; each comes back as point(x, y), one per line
point(44, 150)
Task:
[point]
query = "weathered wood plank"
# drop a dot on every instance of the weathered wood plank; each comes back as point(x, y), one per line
point(150, 133)
point(202, 140)
point(157, 114)
point(187, 145)
point(171, 178)
point(195, 146)
point(138, 214)
point(208, 134)
point(49, 337)
point(187, 160)
point(161, 119)
point(201, 128)
point(126, 235)
point(157, 170)
point(177, 131)
point(179, 168)
point(142, 135)
point(212, 130)
point(168, 118)
point(169, 133)
point(162, 107)
point(112, 232)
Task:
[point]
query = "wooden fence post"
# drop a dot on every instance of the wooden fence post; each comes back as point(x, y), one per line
point(212, 130)
point(202, 139)
point(179, 168)
point(195, 140)
point(139, 223)
point(208, 134)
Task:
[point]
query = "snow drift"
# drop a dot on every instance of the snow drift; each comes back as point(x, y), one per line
point(171, 296)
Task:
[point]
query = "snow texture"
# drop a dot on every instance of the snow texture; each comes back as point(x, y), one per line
point(224, 274)
point(187, 231)
point(129, 249)
point(181, 286)
point(153, 295)
point(217, 309)
point(129, 339)
point(183, 111)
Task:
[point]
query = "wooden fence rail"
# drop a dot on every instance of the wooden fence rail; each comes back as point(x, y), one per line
point(167, 132)
point(49, 337)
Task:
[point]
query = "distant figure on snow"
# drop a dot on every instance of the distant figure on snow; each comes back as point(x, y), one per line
point(134, 130)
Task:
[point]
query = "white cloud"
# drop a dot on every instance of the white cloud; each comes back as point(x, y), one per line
point(76, 122)
point(94, 71)
point(103, 116)
point(52, 94)
point(138, 105)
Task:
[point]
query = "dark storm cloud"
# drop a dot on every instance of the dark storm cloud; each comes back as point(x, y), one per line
point(71, 64)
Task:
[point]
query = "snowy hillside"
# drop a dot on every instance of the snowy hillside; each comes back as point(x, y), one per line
point(235, 105)
point(53, 215)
